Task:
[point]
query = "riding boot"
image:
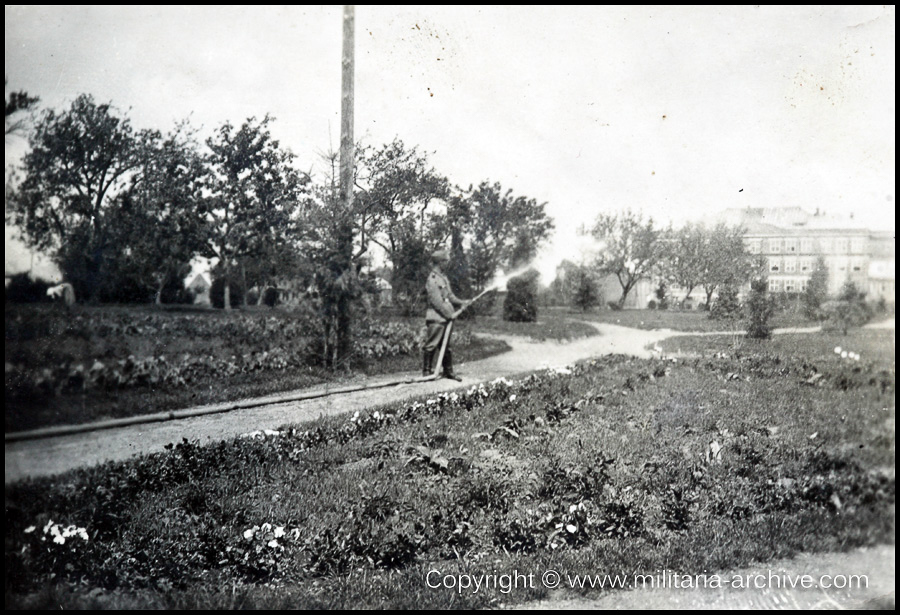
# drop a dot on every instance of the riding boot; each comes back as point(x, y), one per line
point(427, 359)
point(448, 366)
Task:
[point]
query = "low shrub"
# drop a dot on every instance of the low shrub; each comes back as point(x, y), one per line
point(23, 288)
point(520, 304)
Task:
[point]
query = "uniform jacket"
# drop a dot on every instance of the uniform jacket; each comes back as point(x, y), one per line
point(441, 300)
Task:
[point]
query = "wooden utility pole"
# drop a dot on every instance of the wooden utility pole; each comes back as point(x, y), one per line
point(347, 148)
point(344, 228)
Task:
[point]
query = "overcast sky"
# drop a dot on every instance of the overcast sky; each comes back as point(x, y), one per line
point(677, 111)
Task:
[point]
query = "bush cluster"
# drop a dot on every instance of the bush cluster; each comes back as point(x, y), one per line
point(520, 304)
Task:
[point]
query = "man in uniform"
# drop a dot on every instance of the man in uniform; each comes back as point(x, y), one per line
point(442, 304)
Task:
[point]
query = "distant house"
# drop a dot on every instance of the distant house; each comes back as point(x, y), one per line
point(200, 287)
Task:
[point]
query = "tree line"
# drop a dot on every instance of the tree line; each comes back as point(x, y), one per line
point(630, 247)
point(123, 211)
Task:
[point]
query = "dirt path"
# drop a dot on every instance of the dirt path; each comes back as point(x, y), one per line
point(49, 456)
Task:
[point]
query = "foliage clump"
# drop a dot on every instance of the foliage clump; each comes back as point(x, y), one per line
point(217, 292)
point(23, 288)
point(727, 306)
point(760, 308)
point(587, 294)
point(520, 304)
point(815, 294)
point(848, 310)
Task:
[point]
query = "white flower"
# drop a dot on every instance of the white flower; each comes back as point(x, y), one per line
point(837, 350)
point(273, 543)
point(844, 354)
point(59, 539)
point(376, 415)
point(279, 532)
point(572, 528)
point(512, 397)
point(573, 508)
point(430, 402)
point(266, 527)
point(248, 535)
point(30, 529)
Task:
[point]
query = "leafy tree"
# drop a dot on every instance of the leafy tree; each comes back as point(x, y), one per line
point(725, 259)
point(760, 308)
point(632, 248)
point(17, 102)
point(395, 210)
point(217, 290)
point(504, 231)
point(562, 288)
point(80, 163)
point(688, 256)
point(327, 233)
point(458, 268)
point(816, 291)
point(662, 297)
point(254, 195)
point(159, 222)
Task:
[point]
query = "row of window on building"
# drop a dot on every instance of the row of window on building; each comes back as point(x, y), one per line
point(787, 285)
point(807, 265)
point(807, 245)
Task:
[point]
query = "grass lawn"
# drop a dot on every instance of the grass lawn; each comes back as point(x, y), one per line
point(556, 324)
point(551, 325)
point(93, 363)
point(617, 465)
point(873, 345)
point(682, 320)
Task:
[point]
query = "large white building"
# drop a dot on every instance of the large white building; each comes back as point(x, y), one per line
point(791, 240)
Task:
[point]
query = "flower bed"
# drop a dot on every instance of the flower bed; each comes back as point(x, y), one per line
point(616, 463)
